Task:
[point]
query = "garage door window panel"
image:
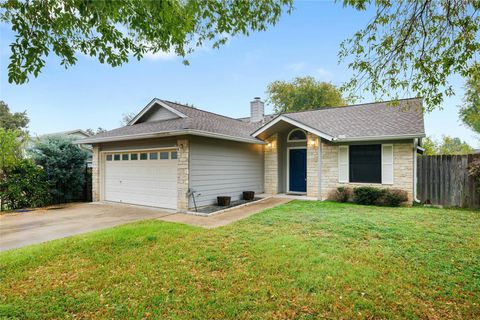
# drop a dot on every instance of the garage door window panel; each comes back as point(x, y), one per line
point(134, 156)
point(173, 155)
point(125, 157)
point(153, 156)
point(109, 157)
point(116, 157)
point(143, 156)
point(164, 155)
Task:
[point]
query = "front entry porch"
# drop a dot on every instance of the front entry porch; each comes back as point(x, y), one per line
point(292, 160)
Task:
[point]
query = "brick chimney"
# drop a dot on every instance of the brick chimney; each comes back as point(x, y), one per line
point(256, 110)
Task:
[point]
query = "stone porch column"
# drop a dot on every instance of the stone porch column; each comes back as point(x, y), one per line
point(182, 174)
point(313, 166)
point(271, 164)
point(96, 172)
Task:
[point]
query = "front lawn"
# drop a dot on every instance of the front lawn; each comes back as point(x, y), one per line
point(301, 260)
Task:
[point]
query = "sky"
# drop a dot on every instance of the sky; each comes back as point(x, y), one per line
point(225, 80)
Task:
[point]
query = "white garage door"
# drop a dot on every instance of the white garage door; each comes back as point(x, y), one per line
point(146, 178)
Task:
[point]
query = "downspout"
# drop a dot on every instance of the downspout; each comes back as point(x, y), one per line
point(319, 139)
point(415, 145)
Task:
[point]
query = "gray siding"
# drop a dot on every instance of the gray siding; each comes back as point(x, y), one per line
point(158, 113)
point(219, 167)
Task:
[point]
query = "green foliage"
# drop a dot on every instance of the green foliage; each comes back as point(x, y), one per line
point(430, 146)
point(12, 121)
point(93, 132)
point(470, 111)
point(301, 260)
point(343, 194)
point(380, 197)
point(393, 197)
point(303, 93)
point(114, 31)
point(367, 195)
point(447, 146)
point(412, 46)
point(64, 164)
point(11, 146)
point(474, 171)
point(24, 185)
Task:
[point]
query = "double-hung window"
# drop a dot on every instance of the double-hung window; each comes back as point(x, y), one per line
point(371, 163)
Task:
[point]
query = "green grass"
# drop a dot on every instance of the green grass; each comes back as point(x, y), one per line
point(302, 260)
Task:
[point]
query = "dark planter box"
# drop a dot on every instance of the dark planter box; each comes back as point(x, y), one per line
point(248, 195)
point(223, 201)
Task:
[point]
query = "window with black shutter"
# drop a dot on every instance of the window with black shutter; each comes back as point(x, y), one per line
point(365, 163)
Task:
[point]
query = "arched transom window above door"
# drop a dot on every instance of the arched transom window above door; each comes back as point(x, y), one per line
point(297, 135)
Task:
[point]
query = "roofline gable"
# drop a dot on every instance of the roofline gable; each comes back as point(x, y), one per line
point(152, 103)
point(292, 122)
point(192, 132)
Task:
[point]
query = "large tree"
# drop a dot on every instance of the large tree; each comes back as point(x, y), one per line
point(447, 145)
point(303, 93)
point(11, 148)
point(10, 120)
point(413, 47)
point(114, 31)
point(470, 111)
point(93, 132)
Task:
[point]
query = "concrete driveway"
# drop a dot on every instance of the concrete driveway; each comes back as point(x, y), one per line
point(21, 229)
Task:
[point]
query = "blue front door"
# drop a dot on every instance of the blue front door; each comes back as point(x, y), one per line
point(297, 170)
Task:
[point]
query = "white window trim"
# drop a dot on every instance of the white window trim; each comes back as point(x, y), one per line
point(393, 176)
point(297, 129)
point(347, 164)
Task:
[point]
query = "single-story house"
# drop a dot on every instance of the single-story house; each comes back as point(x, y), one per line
point(170, 152)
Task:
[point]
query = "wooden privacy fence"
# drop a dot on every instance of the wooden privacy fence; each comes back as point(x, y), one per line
point(444, 180)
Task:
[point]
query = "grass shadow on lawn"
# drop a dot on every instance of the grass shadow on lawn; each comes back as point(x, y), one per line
point(300, 260)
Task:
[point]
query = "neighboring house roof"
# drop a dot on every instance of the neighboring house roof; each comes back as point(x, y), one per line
point(76, 132)
point(357, 122)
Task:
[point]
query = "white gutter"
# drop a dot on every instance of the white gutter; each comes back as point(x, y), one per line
point(166, 134)
point(415, 178)
point(376, 138)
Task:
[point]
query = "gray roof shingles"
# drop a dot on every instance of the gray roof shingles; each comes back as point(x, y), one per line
point(365, 120)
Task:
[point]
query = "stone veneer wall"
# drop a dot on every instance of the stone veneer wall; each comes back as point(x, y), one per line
point(182, 174)
point(402, 170)
point(313, 166)
point(271, 165)
point(96, 173)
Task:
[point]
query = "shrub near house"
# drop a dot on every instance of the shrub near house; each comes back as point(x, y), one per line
point(25, 185)
point(64, 164)
point(371, 196)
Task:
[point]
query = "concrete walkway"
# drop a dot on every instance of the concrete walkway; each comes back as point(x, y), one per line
point(21, 229)
point(225, 218)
